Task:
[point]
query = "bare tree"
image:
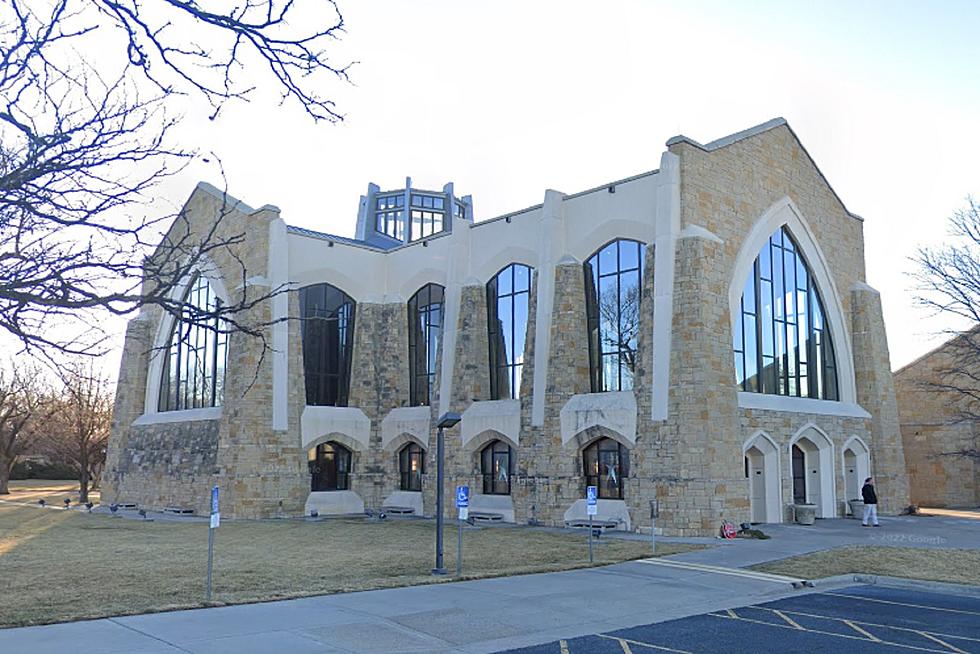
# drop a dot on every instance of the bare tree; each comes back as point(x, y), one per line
point(620, 318)
point(949, 284)
point(78, 429)
point(84, 144)
point(20, 404)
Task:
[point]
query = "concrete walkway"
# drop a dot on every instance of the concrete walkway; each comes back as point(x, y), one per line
point(486, 615)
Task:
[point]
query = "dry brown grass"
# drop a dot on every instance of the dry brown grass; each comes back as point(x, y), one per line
point(950, 565)
point(58, 565)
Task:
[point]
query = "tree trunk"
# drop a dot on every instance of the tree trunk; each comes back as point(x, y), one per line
point(5, 467)
point(83, 480)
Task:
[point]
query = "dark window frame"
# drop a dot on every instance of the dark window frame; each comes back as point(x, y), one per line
point(327, 334)
point(798, 464)
point(423, 333)
point(593, 460)
point(761, 342)
point(330, 467)
point(506, 366)
point(411, 480)
point(491, 454)
point(193, 375)
point(595, 275)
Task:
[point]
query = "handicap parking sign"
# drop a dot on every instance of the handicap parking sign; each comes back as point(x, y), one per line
point(462, 497)
point(591, 503)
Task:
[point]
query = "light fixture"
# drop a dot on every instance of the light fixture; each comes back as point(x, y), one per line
point(446, 421)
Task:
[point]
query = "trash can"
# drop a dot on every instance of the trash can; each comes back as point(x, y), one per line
point(857, 508)
point(805, 514)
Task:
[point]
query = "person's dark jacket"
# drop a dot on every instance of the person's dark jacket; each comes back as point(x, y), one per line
point(869, 495)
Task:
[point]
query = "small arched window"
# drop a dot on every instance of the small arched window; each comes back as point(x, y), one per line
point(194, 369)
point(508, 297)
point(328, 341)
point(425, 317)
point(411, 467)
point(330, 466)
point(781, 338)
point(606, 464)
point(613, 278)
point(495, 465)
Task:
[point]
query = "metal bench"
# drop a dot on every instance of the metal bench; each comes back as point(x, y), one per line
point(485, 516)
point(398, 510)
point(596, 524)
point(178, 510)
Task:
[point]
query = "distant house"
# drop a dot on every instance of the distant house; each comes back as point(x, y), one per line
point(933, 432)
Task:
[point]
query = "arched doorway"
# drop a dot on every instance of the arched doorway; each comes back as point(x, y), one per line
point(812, 470)
point(761, 459)
point(857, 467)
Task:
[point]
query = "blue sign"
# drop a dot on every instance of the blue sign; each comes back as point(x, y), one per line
point(214, 500)
point(462, 497)
point(590, 495)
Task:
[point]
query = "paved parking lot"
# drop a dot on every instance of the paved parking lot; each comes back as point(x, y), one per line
point(858, 619)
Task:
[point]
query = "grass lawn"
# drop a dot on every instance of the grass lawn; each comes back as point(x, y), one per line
point(59, 565)
point(950, 565)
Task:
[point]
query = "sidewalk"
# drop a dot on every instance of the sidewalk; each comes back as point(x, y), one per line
point(486, 615)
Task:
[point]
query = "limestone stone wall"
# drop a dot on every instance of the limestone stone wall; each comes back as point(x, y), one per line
point(932, 431)
point(692, 462)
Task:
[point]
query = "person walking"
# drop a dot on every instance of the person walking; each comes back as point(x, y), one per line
point(870, 504)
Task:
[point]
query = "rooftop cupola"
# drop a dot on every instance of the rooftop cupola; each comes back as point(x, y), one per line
point(405, 215)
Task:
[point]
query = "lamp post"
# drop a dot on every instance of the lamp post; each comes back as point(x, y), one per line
point(446, 421)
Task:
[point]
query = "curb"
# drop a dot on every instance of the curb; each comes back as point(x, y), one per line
point(899, 582)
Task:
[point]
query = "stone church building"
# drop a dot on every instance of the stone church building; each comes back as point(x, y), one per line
point(701, 335)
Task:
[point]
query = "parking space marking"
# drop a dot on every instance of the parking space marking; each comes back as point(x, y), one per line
point(625, 646)
point(732, 613)
point(831, 633)
point(735, 572)
point(894, 603)
point(869, 624)
point(788, 619)
point(941, 642)
point(626, 642)
point(867, 634)
point(563, 645)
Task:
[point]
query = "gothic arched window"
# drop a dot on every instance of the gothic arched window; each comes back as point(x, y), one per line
point(411, 467)
point(496, 460)
point(508, 297)
point(328, 341)
point(781, 339)
point(330, 466)
point(613, 278)
point(194, 370)
point(425, 317)
point(606, 464)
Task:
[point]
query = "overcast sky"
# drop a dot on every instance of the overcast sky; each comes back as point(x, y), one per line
point(507, 99)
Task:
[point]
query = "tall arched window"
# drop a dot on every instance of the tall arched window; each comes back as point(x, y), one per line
point(495, 465)
point(411, 467)
point(425, 315)
point(194, 370)
point(328, 341)
point(613, 278)
point(330, 465)
point(508, 296)
point(606, 464)
point(781, 339)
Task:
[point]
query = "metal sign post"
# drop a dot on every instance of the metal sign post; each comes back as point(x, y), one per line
point(654, 514)
point(215, 521)
point(592, 508)
point(463, 507)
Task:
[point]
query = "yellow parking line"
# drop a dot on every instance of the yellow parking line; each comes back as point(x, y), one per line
point(914, 606)
point(866, 623)
point(625, 646)
point(788, 619)
point(732, 613)
point(941, 642)
point(564, 646)
point(831, 633)
point(858, 629)
point(625, 642)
